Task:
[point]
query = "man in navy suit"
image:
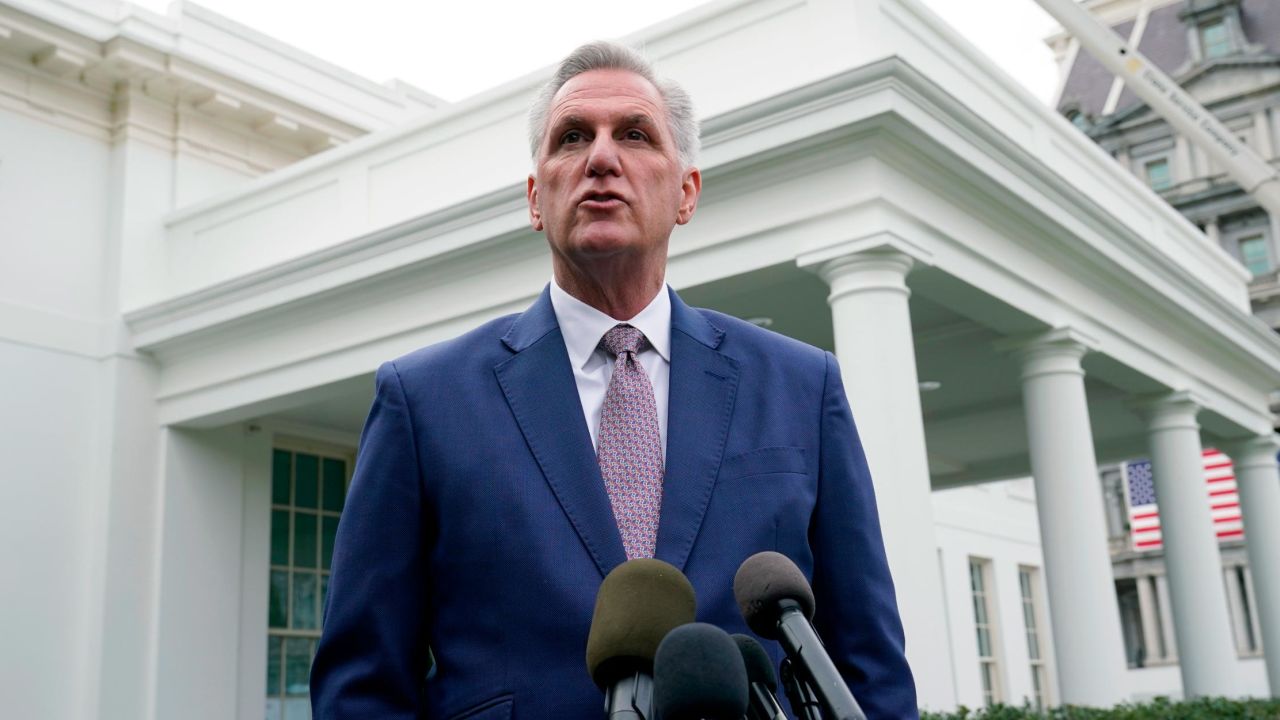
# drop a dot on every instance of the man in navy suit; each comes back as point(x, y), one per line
point(486, 508)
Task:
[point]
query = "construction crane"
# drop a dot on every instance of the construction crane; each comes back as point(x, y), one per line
point(1254, 174)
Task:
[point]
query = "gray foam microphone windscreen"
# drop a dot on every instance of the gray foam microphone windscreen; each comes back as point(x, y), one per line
point(698, 674)
point(757, 661)
point(638, 603)
point(764, 580)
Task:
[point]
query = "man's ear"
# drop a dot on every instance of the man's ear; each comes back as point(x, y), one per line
point(690, 189)
point(535, 215)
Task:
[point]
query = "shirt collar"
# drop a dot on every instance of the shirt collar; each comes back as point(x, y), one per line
point(582, 325)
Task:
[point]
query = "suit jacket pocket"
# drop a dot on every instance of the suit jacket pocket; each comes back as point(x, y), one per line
point(498, 708)
point(765, 461)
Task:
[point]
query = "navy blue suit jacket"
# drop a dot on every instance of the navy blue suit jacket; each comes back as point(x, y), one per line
point(477, 523)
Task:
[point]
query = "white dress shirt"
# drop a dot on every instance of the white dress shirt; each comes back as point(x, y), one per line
point(582, 327)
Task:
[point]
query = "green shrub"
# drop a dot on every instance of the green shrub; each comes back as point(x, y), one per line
point(1158, 709)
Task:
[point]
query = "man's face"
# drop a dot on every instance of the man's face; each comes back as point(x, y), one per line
point(608, 179)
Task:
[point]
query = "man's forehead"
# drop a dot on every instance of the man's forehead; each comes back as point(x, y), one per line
point(621, 90)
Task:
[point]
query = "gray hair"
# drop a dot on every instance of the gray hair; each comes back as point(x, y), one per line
point(604, 55)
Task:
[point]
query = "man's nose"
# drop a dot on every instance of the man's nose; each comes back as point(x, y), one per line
point(603, 158)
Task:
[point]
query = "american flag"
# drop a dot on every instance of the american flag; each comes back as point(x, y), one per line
point(1220, 486)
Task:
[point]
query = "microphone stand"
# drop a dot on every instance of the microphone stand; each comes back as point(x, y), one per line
point(804, 703)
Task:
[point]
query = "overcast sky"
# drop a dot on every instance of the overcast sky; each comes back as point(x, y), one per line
point(457, 49)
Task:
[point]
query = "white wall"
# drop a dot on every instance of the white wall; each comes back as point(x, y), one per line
point(1165, 680)
point(78, 428)
point(48, 421)
point(53, 221)
point(996, 522)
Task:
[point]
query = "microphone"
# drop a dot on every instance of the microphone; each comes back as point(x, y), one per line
point(777, 603)
point(761, 679)
point(698, 674)
point(638, 603)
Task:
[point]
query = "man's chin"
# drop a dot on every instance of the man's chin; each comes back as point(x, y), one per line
point(602, 245)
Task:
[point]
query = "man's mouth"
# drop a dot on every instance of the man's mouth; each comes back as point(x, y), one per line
point(601, 201)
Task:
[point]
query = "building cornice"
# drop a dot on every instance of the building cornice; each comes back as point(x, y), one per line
point(203, 38)
point(69, 66)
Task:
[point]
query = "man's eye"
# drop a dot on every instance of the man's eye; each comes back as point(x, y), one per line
point(636, 135)
point(572, 136)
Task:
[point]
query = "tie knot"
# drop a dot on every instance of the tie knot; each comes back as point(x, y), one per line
point(623, 338)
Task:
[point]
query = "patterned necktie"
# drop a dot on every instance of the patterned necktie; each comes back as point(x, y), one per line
point(629, 448)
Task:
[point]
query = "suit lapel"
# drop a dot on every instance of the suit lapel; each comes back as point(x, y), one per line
point(543, 396)
point(703, 386)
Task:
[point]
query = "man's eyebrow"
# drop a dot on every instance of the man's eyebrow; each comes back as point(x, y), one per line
point(569, 120)
point(637, 119)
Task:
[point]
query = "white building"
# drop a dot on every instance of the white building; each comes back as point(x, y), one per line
point(1224, 53)
point(193, 298)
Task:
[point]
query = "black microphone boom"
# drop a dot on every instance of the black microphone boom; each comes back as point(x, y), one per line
point(776, 602)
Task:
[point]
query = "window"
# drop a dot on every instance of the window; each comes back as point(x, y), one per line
point(308, 491)
point(984, 623)
point(1214, 40)
point(1158, 174)
point(1254, 255)
point(1243, 620)
point(1035, 648)
point(1131, 625)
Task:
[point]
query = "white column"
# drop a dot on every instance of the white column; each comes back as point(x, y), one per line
point(197, 623)
point(1073, 529)
point(1262, 134)
point(877, 358)
point(1166, 619)
point(1150, 618)
point(1213, 231)
point(1183, 169)
point(1274, 222)
point(1201, 620)
point(1258, 480)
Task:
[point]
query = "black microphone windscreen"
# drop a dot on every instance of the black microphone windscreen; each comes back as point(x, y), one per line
point(638, 603)
point(764, 580)
point(698, 674)
point(759, 665)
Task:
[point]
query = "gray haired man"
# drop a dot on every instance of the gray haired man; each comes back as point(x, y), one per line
point(504, 473)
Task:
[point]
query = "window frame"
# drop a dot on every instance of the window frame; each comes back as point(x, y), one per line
point(1147, 161)
point(1260, 237)
point(1226, 44)
point(1232, 235)
point(321, 450)
point(1244, 613)
point(990, 667)
point(1033, 621)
